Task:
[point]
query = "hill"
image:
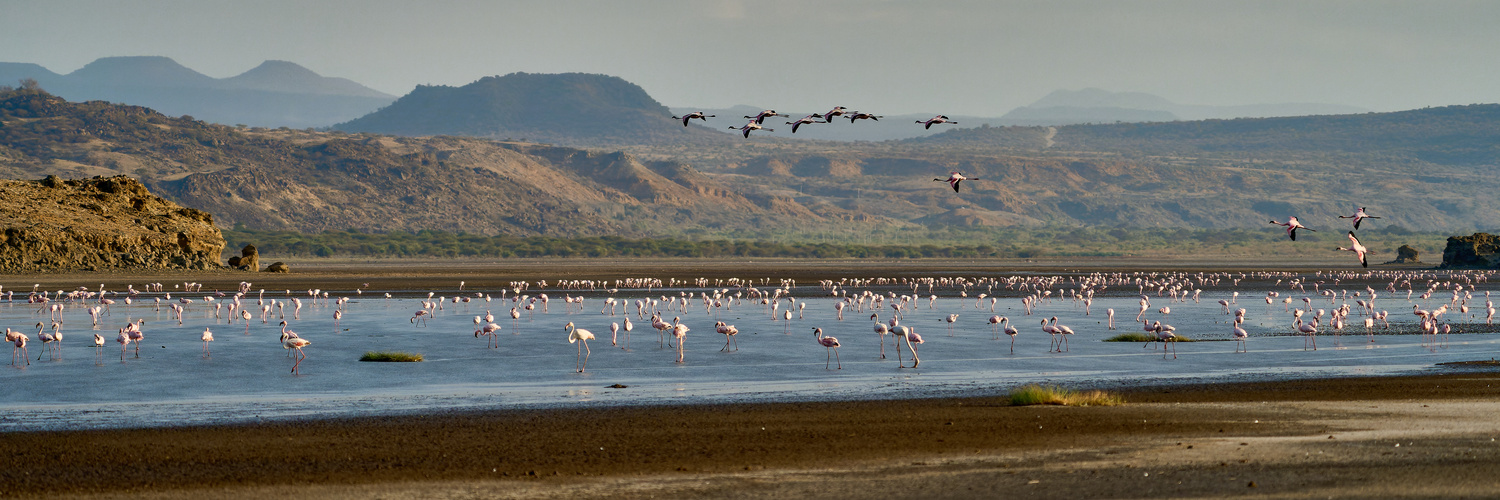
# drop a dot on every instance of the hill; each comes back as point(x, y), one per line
point(569, 108)
point(1093, 105)
point(307, 181)
point(274, 94)
point(1090, 181)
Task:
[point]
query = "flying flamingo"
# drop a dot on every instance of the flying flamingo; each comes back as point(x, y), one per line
point(751, 126)
point(576, 334)
point(1359, 215)
point(836, 111)
point(296, 343)
point(1358, 249)
point(1292, 226)
point(696, 114)
point(954, 178)
point(863, 116)
point(208, 336)
point(934, 121)
point(761, 117)
point(829, 344)
point(800, 122)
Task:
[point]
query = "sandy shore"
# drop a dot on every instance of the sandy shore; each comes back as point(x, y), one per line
point(1296, 439)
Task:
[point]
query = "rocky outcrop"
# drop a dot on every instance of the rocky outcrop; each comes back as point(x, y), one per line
point(248, 260)
point(1480, 250)
point(100, 223)
point(278, 267)
point(1407, 255)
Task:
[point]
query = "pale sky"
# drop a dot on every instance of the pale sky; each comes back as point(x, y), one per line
point(890, 57)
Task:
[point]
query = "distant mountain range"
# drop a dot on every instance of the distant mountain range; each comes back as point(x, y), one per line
point(274, 94)
point(1092, 105)
point(568, 108)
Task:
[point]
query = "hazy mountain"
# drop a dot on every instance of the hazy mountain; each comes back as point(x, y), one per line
point(568, 108)
point(274, 94)
point(1092, 105)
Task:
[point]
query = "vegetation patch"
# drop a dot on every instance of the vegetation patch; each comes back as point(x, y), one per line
point(1033, 394)
point(1143, 337)
point(391, 356)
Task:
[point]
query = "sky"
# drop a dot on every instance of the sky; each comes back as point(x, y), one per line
point(885, 56)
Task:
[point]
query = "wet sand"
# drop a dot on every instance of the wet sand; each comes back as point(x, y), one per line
point(1293, 439)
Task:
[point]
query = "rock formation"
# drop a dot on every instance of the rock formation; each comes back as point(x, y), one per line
point(278, 267)
point(249, 259)
point(1479, 250)
point(100, 223)
point(1407, 255)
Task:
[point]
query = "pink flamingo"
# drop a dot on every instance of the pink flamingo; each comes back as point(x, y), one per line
point(729, 332)
point(935, 120)
point(829, 344)
point(614, 330)
point(1010, 331)
point(1111, 313)
point(489, 329)
point(245, 313)
point(1292, 226)
point(881, 330)
point(751, 126)
point(1359, 215)
point(124, 340)
point(296, 343)
point(800, 121)
point(696, 114)
point(954, 178)
point(18, 343)
point(1358, 249)
point(994, 327)
point(337, 315)
point(1311, 330)
point(420, 315)
point(952, 318)
point(761, 116)
point(1240, 335)
point(582, 336)
point(910, 334)
point(679, 331)
point(627, 327)
point(206, 338)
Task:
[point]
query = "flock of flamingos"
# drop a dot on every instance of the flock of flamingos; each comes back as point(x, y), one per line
point(885, 303)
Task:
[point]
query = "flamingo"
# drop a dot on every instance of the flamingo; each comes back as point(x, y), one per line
point(1292, 226)
point(836, 111)
point(421, 315)
point(489, 329)
point(628, 326)
point(1012, 332)
point(994, 330)
point(800, 121)
point(1239, 336)
point(1311, 330)
point(46, 339)
point(98, 346)
point(614, 330)
point(729, 332)
point(1358, 249)
point(951, 319)
point(1111, 313)
point(910, 334)
point(1168, 339)
point(576, 334)
point(1359, 215)
point(679, 331)
point(123, 339)
point(935, 120)
point(751, 126)
point(881, 330)
point(18, 343)
point(954, 178)
point(862, 116)
point(296, 343)
point(761, 117)
point(208, 336)
point(829, 344)
point(696, 114)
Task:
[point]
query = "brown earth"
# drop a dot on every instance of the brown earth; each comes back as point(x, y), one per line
point(100, 223)
point(1426, 436)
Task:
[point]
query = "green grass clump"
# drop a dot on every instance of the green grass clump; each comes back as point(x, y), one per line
point(1143, 337)
point(391, 356)
point(1033, 394)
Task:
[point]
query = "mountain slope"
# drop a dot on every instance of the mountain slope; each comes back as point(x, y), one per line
point(571, 108)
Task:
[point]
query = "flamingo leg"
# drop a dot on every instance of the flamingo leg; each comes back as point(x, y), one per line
point(836, 358)
point(914, 360)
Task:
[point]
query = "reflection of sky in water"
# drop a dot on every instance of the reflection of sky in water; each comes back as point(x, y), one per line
point(247, 377)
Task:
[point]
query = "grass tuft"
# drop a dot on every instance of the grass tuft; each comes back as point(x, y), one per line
point(390, 356)
point(1033, 394)
point(1142, 337)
